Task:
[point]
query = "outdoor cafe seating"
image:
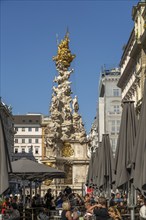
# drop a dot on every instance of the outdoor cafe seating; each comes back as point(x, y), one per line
point(39, 213)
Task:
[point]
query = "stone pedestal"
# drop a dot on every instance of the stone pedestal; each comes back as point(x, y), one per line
point(75, 166)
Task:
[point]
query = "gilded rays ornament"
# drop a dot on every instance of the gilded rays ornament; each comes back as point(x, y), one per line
point(67, 150)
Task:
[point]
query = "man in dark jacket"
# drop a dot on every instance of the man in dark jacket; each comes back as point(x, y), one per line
point(100, 210)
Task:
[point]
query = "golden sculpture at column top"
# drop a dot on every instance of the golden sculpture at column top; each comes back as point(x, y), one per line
point(64, 56)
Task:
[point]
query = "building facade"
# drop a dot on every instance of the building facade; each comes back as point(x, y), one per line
point(109, 106)
point(133, 60)
point(28, 136)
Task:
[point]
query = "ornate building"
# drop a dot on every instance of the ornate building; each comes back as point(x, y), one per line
point(64, 135)
point(133, 60)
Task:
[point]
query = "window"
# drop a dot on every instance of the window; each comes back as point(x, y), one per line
point(116, 92)
point(36, 140)
point(16, 140)
point(29, 129)
point(36, 129)
point(116, 109)
point(36, 150)
point(29, 140)
point(23, 140)
point(23, 150)
point(23, 129)
point(113, 126)
point(16, 150)
point(118, 125)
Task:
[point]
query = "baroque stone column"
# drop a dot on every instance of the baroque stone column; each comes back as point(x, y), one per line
point(65, 134)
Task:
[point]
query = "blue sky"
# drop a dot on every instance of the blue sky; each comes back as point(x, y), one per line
point(98, 30)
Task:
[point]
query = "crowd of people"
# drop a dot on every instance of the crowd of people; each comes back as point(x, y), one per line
point(9, 208)
point(75, 207)
point(99, 208)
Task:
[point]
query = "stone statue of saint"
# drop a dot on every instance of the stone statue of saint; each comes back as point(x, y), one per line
point(75, 104)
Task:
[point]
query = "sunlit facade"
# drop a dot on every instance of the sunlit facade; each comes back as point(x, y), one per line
point(109, 106)
point(133, 60)
point(28, 136)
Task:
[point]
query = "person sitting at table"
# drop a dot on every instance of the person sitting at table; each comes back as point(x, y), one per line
point(76, 214)
point(14, 203)
point(5, 205)
point(66, 213)
point(88, 212)
point(100, 209)
point(59, 200)
point(118, 199)
point(89, 207)
point(74, 198)
point(114, 213)
point(112, 200)
point(43, 215)
point(87, 198)
point(15, 212)
point(67, 191)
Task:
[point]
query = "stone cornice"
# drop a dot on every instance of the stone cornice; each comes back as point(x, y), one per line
point(134, 52)
point(111, 78)
point(68, 160)
point(128, 45)
point(136, 49)
point(131, 90)
point(125, 76)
